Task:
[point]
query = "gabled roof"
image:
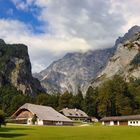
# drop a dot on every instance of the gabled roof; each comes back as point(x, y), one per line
point(73, 113)
point(121, 118)
point(43, 112)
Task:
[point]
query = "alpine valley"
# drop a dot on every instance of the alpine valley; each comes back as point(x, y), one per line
point(80, 70)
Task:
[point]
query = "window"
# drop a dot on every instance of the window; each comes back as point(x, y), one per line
point(131, 122)
point(137, 122)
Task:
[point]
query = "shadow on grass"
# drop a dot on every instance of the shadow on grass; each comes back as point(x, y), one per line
point(4, 132)
point(7, 129)
point(13, 135)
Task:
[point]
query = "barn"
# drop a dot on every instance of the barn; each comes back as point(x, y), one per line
point(45, 115)
point(76, 115)
point(131, 120)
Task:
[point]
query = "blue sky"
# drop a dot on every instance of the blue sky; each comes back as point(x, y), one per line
point(27, 16)
point(52, 28)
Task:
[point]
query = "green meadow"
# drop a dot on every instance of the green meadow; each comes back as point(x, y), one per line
point(17, 132)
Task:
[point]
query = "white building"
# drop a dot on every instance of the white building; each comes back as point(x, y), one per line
point(131, 120)
point(76, 115)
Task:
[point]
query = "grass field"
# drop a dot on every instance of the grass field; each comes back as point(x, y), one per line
point(17, 132)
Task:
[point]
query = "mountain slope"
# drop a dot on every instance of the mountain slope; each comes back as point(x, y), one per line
point(74, 70)
point(15, 68)
point(126, 60)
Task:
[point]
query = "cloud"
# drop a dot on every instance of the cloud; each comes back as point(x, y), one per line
point(130, 11)
point(42, 48)
point(87, 19)
point(22, 5)
point(70, 25)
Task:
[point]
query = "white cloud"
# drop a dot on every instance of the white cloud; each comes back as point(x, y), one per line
point(130, 11)
point(40, 46)
point(74, 25)
point(22, 5)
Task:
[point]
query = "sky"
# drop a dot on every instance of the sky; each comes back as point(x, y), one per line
point(52, 28)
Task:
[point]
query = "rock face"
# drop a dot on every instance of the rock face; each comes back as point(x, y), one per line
point(131, 32)
point(15, 68)
point(126, 60)
point(73, 71)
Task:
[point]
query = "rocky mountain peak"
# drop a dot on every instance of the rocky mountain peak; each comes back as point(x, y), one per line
point(131, 32)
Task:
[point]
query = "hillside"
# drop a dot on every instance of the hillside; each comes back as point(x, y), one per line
point(15, 69)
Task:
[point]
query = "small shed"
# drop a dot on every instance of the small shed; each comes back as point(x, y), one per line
point(131, 120)
point(45, 115)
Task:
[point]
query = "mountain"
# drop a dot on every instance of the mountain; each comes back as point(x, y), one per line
point(15, 69)
point(77, 70)
point(74, 70)
point(126, 59)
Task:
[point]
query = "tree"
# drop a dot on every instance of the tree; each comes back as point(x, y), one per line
point(42, 99)
point(77, 100)
point(114, 98)
point(91, 102)
point(134, 90)
point(65, 100)
point(34, 119)
point(2, 118)
point(16, 102)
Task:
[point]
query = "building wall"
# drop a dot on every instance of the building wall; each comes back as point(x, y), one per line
point(106, 123)
point(116, 123)
point(18, 121)
point(76, 119)
point(134, 122)
point(25, 114)
point(58, 123)
point(40, 122)
point(123, 122)
point(29, 121)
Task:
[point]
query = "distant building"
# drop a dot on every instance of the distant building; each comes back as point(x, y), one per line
point(74, 114)
point(45, 115)
point(94, 119)
point(131, 120)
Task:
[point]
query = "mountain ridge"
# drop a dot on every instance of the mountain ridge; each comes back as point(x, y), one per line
point(124, 62)
point(77, 70)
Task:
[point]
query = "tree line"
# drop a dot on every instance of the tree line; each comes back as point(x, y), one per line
point(114, 97)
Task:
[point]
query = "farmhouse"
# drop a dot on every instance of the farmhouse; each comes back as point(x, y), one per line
point(45, 115)
point(74, 114)
point(131, 120)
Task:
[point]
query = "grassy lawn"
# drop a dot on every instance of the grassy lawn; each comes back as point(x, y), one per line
point(17, 132)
